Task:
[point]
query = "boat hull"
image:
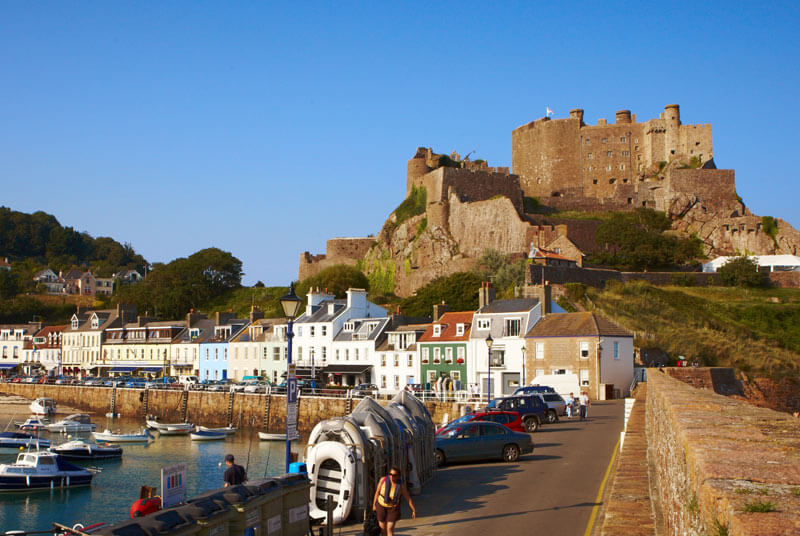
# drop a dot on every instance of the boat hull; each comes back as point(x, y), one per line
point(92, 452)
point(208, 436)
point(267, 436)
point(29, 483)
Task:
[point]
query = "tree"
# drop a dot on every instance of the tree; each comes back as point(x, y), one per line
point(9, 286)
point(740, 272)
point(335, 279)
point(459, 291)
point(504, 273)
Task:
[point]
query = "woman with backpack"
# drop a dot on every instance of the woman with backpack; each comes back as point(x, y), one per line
point(386, 503)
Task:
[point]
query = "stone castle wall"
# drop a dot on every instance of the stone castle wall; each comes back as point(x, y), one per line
point(338, 251)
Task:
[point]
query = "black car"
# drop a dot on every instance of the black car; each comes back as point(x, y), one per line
point(365, 389)
point(532, 410)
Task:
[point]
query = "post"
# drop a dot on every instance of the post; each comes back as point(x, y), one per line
point(523, 365)
point(329, 516)
point(289, 335)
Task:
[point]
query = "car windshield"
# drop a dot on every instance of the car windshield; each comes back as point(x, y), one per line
point(462, 419)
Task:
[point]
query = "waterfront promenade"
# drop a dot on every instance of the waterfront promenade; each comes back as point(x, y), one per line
point(550, 492)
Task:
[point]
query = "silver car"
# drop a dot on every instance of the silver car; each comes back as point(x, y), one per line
point(557, 406)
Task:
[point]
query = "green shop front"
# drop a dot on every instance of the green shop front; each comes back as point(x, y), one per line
point(443, 360)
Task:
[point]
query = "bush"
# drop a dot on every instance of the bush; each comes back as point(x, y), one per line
point(683, 280)
point(740, 272)
point(458, 290)
point(532, 205)
point(576, 291)
point(769, 226)
point(413, 205)
point(335, 279)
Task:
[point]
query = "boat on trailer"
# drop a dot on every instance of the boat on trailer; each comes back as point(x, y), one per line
point(43, 406)
point(42, 470)
point(81, 450)
point(13, 441)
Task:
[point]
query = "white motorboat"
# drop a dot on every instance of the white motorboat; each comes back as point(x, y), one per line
point(41, 470)
point(142, 436)
point(14, 441)
point(81, 450)
point(43, 406)
point(79, 422)
point(33, 423)
point(268, 436)
point(225, 430)
point(175, 428)
point(204, 435)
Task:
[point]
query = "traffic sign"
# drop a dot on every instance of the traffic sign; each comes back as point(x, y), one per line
point(292, 369)
point(291, 389)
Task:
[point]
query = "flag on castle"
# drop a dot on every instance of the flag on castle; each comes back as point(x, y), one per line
point(549, 112)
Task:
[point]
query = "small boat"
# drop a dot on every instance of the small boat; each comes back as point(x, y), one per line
point(80, 450)
point(205, 435)
point(268, 436)
point(335, 470)
point(43, 406)
point(178, 427)
point(41, 470)
point(33, 423)
point(226, 430)
point(79, 422)
point(142, 436)
point(112, 415)
point(13, 441)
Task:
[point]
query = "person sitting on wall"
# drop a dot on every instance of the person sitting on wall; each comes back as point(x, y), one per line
point(234, 474)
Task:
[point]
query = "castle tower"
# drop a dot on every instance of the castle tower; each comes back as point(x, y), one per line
point(672, 121)
point(623, 117)
point(576, 113)
point(416, 168)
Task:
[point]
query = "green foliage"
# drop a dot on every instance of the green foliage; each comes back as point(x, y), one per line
point(459, 291)
point(413, 205)
point(531, 205)
point(566, 304)
point(740, 272)
point(240, 300)
point(335, 279)
point(636, 241)
point(446, 161)
point(692, 505)
point(23, 308)
point(423, 224)
point(759, 506)
point(380, 273)
point(683, 280)
point(719, 529)
point(769, 226)
point(504, 273)
point(9, 285)
point(694, 163)
point(576, 291)
point(796, 492)
point(39, 236)
point(170, 290)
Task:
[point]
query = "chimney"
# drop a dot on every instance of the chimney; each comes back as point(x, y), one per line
point(545, 294)
point(223, 318)
point(438, 310)
point(192, 318)
point(255, 313)
point(357, 300)
point(485, 294)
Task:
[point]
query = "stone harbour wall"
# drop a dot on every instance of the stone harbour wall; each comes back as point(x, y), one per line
point(720, 465)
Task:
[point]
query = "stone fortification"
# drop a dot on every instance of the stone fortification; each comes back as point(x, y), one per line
point(338, 251)
point(715, 461)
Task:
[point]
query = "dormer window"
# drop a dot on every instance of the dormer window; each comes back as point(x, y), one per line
point(95, 322)
point(194, 333)
point(459, 330)
point(74, 323)
point(437, 330)
point(484, 323)
point(349, 326)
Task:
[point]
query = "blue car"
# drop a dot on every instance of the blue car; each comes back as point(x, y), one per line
point(534, 389)
point(478, 440)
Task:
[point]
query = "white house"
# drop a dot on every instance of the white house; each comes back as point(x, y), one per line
point(776, 263)
point(260, 350)
point(44, 350)
point(353, 358)
point(397, 363)
point(13, 338)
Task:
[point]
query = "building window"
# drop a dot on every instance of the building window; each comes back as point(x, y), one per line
point(484, 323)
point(584, 375)
point(448, 355)
point(324, 353)
point(299, 353)
point(425, 354)
point(459, 330)
point(276, 353)
point(612, 180)
point(347, 354)
point(461, 352)
point(604, 140)
point(584, 350)
point(610, 153)
point(383, 360)
point(396, 360)
point(636, 140)
point(608, 167)
point(588, 141)
point(409, 380)
point(622, 139)
point(431, 376)
point(512, 327)
point(539, 350)
point(636, 148)
point(622, 166)
point(310, 331)
point(437, 330)
point(383, 382)
point(324, 330)
point(410, 360)
point(337, 354)
point(539, 372)
point(437, 354)
point(355, 354)
point(299, 331)
point(594, 181)
point(589, 156)
point(396, 381)
point(616, 350)
point(626, 153)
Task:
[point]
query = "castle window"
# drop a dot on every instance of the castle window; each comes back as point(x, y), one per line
point(604, 140)
point(672, 151)
point(636, 148)
point(608, 167)
point(622, 166)
point(594, 181)
point(630, 201)
point(625, 181)
point(638, 157)
point(640, 167)
point(636, 140)
point(588, 141)
point(626, 153)
point(622, 139)
point(589, 156)
point(612, 181)
point(610, 153)
point(589, 168)
point(691, 152)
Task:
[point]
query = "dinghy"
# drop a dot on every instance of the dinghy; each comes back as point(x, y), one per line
point(205, 435)
point(229, 430)
point(142, 436)
point(335, 472)
point(269, 436)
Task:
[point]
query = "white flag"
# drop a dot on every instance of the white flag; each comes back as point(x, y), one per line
point(549, 112)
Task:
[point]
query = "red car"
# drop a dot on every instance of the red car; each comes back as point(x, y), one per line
point(509, 419)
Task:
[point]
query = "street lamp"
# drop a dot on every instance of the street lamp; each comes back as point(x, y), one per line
point(524, 349)
point(290, 304)
point(489, 342)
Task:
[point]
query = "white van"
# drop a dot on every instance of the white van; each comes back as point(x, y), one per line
point(563, 384)
point(189, 380)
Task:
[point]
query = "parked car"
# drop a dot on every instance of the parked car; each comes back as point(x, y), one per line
point(509, 419)
point(531, 409)
point(91, 381)
point(256, 386)
point(135, 383)
point(160, 383)
point(557, 406)
point(479, 440)
point(364, 389)
point(220, 385)
point(191, 381)
point(533, 389)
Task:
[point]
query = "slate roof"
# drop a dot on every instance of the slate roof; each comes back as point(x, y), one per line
point(360, 333)
point(321, 314)
point(449, 321)
point(72, 275)
point(268, 325)
point(517, 305)
point(576, 325)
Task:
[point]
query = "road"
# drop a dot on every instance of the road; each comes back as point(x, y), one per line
point(549, 492)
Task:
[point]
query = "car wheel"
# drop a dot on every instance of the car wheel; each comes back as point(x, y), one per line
point(531, 425)
point(511, 453)
point(438, 457)
point(551, 416)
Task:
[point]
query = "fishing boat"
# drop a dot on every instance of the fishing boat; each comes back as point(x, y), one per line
point(14, 441)
point(268, 436)
point(81, 450)
point(33, 423)
point(79, 422)
point(205, 435)
point(43, 406)
point(143, 436)
point(42, 470)
point(226, 430)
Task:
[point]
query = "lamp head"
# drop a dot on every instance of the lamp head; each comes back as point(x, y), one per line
point(489, 341)
point(290, 303)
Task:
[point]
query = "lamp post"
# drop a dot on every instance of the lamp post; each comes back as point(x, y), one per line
point(290, 304)
point(524, 365)
point(489, 342)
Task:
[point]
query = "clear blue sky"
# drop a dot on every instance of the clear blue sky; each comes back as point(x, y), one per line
point(264, 129)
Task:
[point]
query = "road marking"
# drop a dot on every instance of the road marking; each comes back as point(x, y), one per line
point(599, 497)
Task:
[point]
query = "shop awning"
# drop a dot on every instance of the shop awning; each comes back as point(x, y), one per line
point(122, 369)
point(8, 366)
point(151, 369)
point(346, 369)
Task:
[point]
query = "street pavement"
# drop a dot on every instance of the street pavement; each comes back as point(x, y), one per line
point(550, 492)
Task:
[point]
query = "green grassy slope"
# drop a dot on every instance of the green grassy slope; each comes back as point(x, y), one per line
point(755, 331)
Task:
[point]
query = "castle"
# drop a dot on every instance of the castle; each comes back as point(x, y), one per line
point(564, 164)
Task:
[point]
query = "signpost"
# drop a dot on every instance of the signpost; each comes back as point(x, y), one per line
point(173, 484)
point(291, 408)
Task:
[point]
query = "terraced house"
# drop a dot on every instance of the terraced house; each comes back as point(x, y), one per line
point(443, 349)
point(259, 350)
point(142, 347)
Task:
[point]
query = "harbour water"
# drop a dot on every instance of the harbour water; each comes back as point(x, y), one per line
point(116, 486)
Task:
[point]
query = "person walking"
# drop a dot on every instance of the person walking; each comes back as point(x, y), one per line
point(235, 473)
point(584, 405)
point(570, 400)
point(387, 501)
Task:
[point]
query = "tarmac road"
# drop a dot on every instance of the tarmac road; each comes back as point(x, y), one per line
point(550, 492)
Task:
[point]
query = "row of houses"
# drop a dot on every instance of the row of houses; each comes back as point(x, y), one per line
point(82, 282)
point(340, 341)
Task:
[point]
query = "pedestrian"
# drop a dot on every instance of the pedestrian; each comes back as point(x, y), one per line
point(570, 401)
point(387, 499)
point(235, 473)
point(584, 405)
